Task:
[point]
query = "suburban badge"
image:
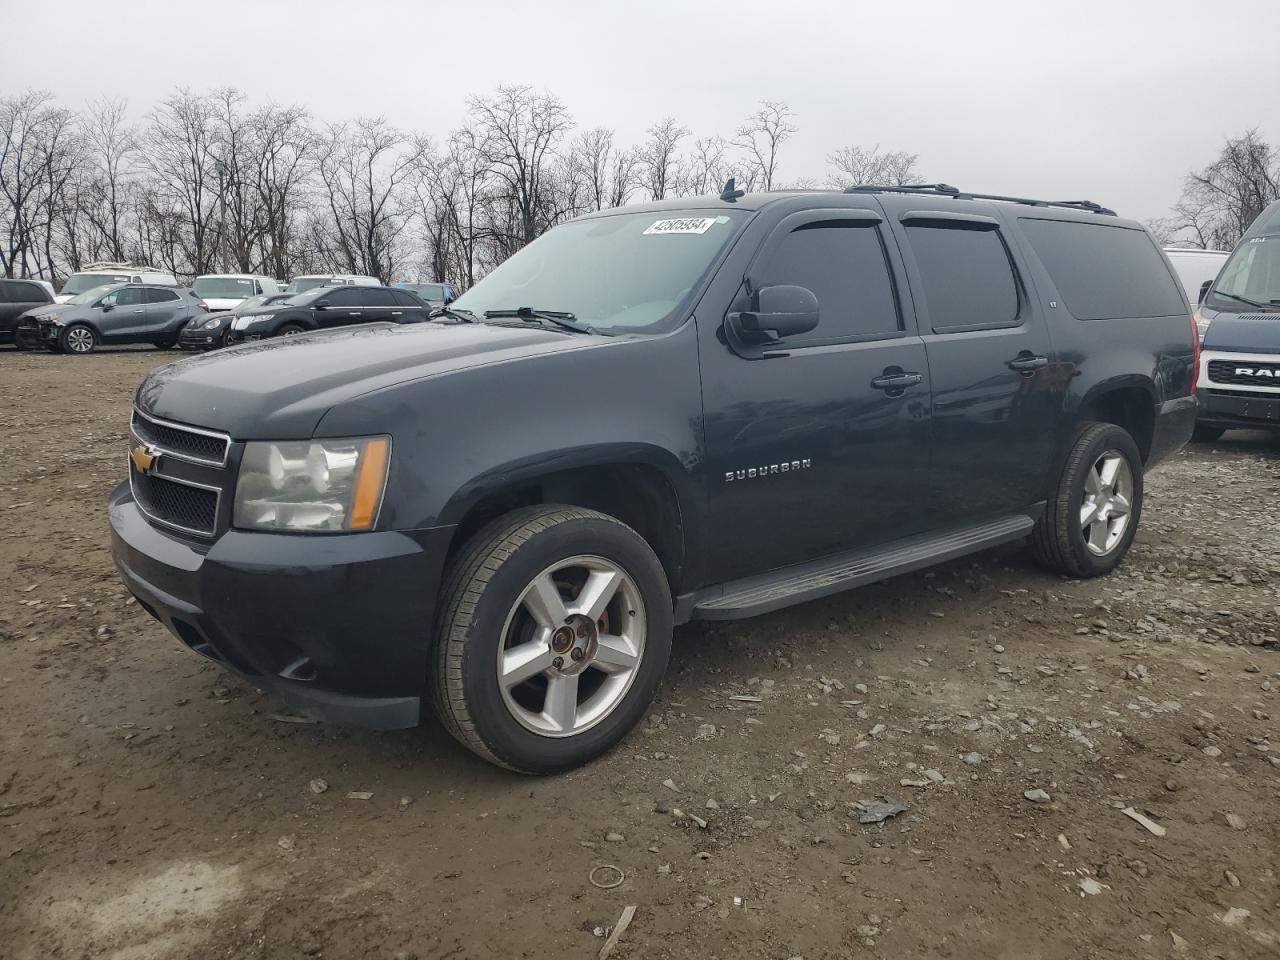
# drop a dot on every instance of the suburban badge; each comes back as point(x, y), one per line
point(768, 470)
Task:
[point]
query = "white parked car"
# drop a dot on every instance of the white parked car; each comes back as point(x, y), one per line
point(312, 280)
point(101, 274)
point(225, 291)
point(1196, 268)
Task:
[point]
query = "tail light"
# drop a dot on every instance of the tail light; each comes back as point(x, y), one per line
point(203, 306)
point(1195, 353)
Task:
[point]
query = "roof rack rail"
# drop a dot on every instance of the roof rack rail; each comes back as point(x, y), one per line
point(946, 190)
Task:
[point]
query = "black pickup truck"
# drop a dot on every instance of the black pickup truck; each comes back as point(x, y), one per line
point(697, 409)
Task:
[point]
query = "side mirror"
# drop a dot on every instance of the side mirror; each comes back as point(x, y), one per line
point(449, 296)
point(1204, 288)
point(107, 307)
point(776, 313)
point(321, 305)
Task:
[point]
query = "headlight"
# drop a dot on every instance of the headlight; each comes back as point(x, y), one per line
point(211, 323)
point(1201, 324)
point(312, 486)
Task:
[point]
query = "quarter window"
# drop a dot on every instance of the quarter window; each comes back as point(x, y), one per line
point(966, 274)
point(843, 263)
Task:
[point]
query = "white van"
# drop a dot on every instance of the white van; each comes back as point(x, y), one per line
point(100, 274)
point(1196, 268)
point(313, 280)
point(225, 291)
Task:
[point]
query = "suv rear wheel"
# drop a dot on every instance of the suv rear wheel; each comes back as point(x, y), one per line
point(555, 632)
point(1092, 515)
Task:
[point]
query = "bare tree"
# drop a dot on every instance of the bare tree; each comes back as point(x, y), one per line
point(857, 165)
point(707, 168)
point(516, 132)
point(111, 144)
point(36, 162)
point(593, 158)
point(284, 149)
point(181, 143)
point(659, 160)
point(1219, 202)
point(761, 137)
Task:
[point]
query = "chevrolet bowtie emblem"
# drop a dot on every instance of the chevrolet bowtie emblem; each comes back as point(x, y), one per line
point(143, 459)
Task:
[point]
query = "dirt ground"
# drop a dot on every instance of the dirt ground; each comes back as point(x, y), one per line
point(152, 807)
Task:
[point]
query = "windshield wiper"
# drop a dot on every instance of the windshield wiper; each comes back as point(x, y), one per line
point(466, 316)
point(561, 319)
point(1252, 303)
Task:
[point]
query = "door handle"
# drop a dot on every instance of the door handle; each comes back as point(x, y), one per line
point(1025, 363)
point(396, 313)
point(896, 381)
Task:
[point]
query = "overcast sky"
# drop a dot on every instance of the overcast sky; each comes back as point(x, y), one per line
point(1111, 101)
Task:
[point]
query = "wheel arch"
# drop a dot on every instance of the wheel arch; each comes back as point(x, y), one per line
point(1126, 401)
point(643, 486)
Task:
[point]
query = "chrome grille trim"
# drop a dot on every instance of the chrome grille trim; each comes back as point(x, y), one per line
point(161, 521)
point(169, 451)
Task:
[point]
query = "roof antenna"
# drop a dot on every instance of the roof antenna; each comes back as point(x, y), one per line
point(731, 192)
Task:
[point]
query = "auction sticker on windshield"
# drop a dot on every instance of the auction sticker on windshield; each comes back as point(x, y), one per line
point(686, 225)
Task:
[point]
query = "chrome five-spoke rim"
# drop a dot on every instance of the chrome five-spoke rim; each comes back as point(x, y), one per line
point(1108, 501)
point(80, 340)
point(571, 646)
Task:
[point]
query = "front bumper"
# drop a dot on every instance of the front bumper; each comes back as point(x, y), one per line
point(201, 339)
point(1241, 409)
point(337, 627)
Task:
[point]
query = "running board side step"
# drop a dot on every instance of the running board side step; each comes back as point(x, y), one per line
point(821, 578)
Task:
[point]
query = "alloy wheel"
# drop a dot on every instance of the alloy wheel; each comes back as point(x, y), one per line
point(1107, 504)
point(79, 340)
point(571, 646)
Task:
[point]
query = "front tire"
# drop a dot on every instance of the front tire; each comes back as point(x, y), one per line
point(554, 633)
point(292, 329)
point(1092, 515)
point(79, 338)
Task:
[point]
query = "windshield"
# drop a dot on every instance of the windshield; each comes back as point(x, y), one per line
point(90, 295)
point(223, 288)
point(303, 284)
point(1193, 269)
point(80, 282)
point(1251, 279)
point(624, 273)
point(427, 291)
point(261, 300)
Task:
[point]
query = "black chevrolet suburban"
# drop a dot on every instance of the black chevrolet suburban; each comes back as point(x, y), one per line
point(694, 409)
point(1239, 319)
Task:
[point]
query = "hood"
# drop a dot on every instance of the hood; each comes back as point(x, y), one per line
point(278, 389)
point(1243, 332)
point(56, 307)
point(223, 303)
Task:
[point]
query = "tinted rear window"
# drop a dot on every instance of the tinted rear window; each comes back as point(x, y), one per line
point(1103, 272)
point(968, 279)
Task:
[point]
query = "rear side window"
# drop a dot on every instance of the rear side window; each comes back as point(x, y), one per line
point(843, 263)
point(1104, 272)
point(16, 291)
point(405, 299)
point(377, 297)
point(161, 296)
point(967, 277)
point(343, 297)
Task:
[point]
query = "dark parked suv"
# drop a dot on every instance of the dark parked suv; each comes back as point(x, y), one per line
point(695, 409)
point(112, 314)
point(322, 308)
point(16, 298)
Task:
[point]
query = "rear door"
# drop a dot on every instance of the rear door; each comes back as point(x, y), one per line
point(165, 311)
point(380, 305)
point(409, 309)
point(997, 394)
point(823, 445)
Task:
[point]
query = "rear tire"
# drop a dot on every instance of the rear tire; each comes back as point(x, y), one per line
point(78, 338)
point(1092, 515)
point(1206, 434)
point(292, 329)
point(554, 634)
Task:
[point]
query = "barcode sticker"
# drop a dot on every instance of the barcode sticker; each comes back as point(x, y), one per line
point(686, 225)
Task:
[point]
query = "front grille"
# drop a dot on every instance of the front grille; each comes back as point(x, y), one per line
point(1260, 374)
point(190, 443)
point(175, 504)
point(1246, 394)
point(181, 488)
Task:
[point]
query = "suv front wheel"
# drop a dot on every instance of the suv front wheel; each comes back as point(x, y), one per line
point(1092, 514)
point(554, 634)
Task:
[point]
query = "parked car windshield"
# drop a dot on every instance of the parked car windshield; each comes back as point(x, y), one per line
point(1251, 279)
point(90, 295)
point(427, 291)
point(89, 281)
point(223, 288)
point(624, 273)
point(303, 284)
